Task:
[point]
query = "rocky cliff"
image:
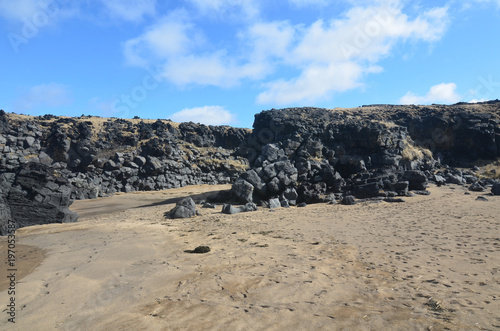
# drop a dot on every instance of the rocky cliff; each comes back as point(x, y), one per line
point(295, 155)
point(52, 160)
point(370, 151)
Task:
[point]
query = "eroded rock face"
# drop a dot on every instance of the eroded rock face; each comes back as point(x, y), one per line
point(102, 156)
point(370, 152)
point(34, 195)
point(316, 151)
point(48, 161)
point(295, 155)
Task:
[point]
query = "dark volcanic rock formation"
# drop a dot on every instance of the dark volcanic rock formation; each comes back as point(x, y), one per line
point(34, 195)
point(90, 157)
point(362, 152)
point(296, 155)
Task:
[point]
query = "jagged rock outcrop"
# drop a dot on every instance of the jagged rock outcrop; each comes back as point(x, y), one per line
point(90, 157)
point(316, 151)
point(363, 152)
point(103, 156)
point(296, 155)
point(457, 134)
point(34, 195)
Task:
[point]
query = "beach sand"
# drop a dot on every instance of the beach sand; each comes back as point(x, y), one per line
point(430, 263)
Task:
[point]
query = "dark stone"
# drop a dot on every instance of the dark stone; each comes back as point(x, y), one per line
point(302, 204)
point(439, 180)
point(470, 179)
point(311, 193)
point(291, 195)
point(274, 203)
point(140, 160)
point(454, 179)
point(401, 188)
point(416, 178)
point(366, 190)
point(476, 187)
point(209, 205)
point(153, 166)
point(185, 208)
point(348, 200)
point(390, 199)
point(200, 250)
point(495, 189)
point(422, 192)
point(230, 209)
point(480, 198)
point(285, 204)
point(271, 152)
point(331, 199)
point(274, 186)
point(253, 178)
point(242, 191)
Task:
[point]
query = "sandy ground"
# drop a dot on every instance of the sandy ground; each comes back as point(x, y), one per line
point(431, 263)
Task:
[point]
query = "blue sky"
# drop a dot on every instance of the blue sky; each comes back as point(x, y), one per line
point(221, 61)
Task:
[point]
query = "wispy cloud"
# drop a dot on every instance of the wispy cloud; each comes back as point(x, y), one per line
point(441, 93)
point(44, 95)
point(21, 9)
point(336, 55)
point(303, 3)
point(242, 10)
point(33, 10)
point(322, 58)
point(497, 2)
point(130, 10)
point(209, 115)
point(171, 37)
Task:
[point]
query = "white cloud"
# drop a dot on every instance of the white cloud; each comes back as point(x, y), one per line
point(169, 38)
point(441, 93)
point(36, 10)
point(21, 9)
point(175, 43)
point(44, 95)
point(316, 82)
point(477, 100)
point(213, 69)
point(209, 115)
point(267, 39)
point(303, 3)
point(489, 1)
point(325, 57)
point(130, 10)
point(334, 56)
point(228, 9)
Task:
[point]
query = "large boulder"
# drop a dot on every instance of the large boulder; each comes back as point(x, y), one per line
point(290, 195)
point(242, 191)
point(185, 208)
point(368, 190)
point(417, 179)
